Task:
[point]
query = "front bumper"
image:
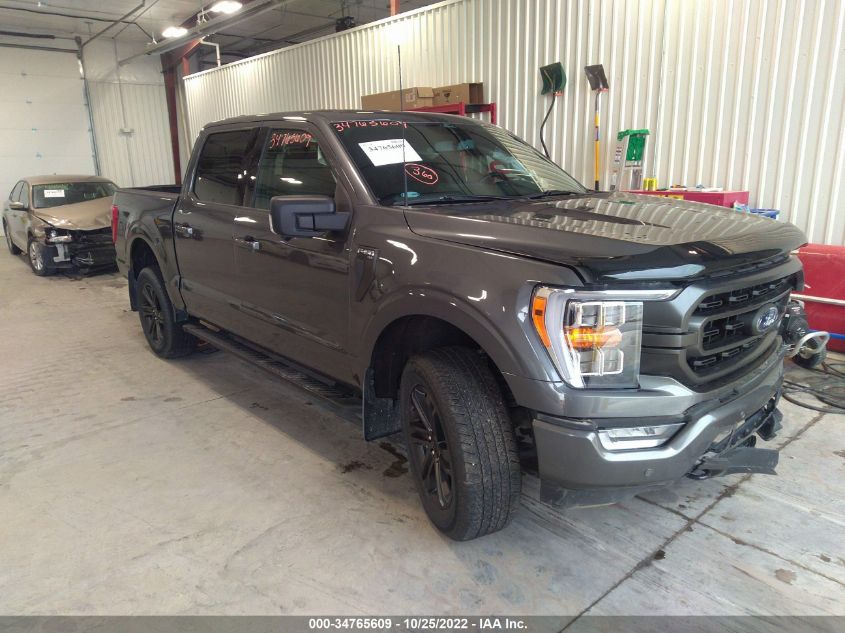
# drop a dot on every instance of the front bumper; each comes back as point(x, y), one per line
point(81, 255)
point(575, 469)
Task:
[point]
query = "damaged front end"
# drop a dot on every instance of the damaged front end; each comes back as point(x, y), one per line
point(736, 451)
point(85, 250)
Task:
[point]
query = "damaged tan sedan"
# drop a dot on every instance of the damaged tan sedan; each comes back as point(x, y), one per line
point(61, 222)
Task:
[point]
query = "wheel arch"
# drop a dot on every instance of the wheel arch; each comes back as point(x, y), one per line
point(403, 329)
point(141, 254)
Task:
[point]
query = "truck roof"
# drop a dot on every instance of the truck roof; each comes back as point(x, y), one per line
point(330, 116)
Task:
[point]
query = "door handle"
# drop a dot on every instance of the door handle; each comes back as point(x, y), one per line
point(184, 230)
point(248, 242)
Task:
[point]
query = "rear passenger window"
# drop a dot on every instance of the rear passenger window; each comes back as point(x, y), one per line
point(221, 167)
point(292, 164)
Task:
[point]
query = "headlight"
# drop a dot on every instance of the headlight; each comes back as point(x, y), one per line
point(54, 236)
point(593, 338)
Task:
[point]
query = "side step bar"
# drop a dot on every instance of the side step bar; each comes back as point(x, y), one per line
point(340, 401)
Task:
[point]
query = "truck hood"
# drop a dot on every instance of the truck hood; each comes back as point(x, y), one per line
point(614, 236)
point(82, 216)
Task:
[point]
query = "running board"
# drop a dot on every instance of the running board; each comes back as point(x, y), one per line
point(340, 401)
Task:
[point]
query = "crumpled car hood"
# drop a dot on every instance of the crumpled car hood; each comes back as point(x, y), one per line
point(82, 216)
point(614, 236)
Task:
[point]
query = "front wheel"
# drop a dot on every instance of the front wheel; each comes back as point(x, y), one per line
point(38, 258)
point(460, 442)
point(158, 318)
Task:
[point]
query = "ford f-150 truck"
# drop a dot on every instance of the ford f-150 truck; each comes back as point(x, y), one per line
point(477, 299)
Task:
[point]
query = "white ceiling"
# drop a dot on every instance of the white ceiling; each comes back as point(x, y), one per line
point(294, 22)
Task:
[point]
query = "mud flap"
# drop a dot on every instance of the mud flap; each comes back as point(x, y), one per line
point(380, 415)
point(741, 459)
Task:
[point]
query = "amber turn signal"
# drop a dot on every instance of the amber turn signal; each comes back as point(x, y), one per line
point(584, 338)
point(538, 315)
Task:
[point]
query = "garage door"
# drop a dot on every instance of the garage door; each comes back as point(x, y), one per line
point(44, 128)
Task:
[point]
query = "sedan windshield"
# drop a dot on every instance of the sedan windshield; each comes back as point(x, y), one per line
point(61, 193)
point(445, 162)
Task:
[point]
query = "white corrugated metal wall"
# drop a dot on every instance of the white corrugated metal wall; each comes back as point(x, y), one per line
point(130, 116)
point(742, 94)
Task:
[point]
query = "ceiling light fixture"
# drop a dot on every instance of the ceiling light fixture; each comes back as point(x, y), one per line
point(226, 6)
point(174, 31)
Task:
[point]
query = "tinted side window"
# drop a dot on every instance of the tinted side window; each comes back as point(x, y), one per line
point(24, 195)
point(220, 168)
point(16, 191)
point(292, 164)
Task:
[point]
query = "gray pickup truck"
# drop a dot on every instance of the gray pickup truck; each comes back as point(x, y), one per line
point(477, 299)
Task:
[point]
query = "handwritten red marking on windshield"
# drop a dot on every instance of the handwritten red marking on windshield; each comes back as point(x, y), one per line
point(342, 126)
point(278, 139)
point(421, 173)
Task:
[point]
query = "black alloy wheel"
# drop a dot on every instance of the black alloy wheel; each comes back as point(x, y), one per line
point(151, 315)
point(429, 442)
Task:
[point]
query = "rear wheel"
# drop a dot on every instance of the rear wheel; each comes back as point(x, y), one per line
point(158, 318)
point(460, 442)
point(38, 258)
point(14, 250)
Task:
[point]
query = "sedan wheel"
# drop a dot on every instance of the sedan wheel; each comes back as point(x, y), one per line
point(37, 261)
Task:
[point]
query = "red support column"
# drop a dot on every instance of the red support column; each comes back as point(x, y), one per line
point(172, 108)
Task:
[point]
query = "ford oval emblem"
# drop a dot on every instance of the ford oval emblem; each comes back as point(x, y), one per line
point(766, 318)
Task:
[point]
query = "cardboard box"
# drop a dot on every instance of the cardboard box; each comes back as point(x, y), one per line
point(459, 93)
point(418, 97)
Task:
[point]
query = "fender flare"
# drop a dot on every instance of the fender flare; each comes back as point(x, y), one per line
point(428, 302)
point(171, 283)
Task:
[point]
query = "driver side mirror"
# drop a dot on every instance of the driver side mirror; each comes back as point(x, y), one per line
point(305, 216)
point(17, 205)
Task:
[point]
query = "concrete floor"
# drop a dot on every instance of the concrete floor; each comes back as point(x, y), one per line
point(132, 485)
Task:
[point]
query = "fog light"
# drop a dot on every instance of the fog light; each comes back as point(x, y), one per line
point(637, 436)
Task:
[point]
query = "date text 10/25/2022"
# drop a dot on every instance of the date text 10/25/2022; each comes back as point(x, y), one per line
point(417, 623)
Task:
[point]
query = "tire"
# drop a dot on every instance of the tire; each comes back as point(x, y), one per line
point(37, 259)
point(158, 318)
point(460, 441)
point(14, 250)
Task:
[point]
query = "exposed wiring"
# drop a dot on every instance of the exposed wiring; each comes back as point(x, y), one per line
point(827, 385)
point(75, 16)
point(543, 124)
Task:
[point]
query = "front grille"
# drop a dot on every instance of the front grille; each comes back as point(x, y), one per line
point(727, 330)
point(740, 297)
point(715, 362)
point(712, 329)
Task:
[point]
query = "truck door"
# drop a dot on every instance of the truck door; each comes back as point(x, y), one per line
point(296, 290)
point(203, 221)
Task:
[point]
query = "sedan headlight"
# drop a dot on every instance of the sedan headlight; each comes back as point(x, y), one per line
point(593, 338)
point(56, 236)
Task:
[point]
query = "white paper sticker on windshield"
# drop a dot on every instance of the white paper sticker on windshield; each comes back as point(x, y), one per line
point(54, 193)
point(389, 152)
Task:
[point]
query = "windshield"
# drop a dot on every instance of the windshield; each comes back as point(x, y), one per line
point(449, 162)
point(61, 193)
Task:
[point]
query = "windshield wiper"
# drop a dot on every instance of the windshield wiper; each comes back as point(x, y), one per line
point(553, 192)
point(452, 199)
